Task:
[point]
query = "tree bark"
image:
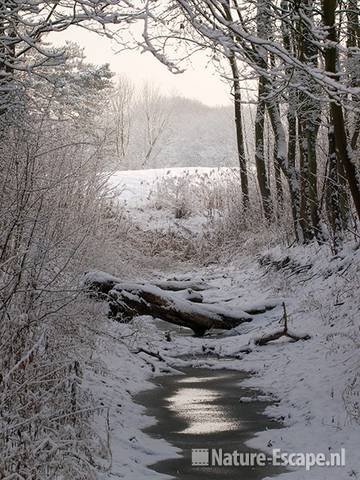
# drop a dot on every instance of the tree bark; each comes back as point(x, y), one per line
point(343, 150)
point(238, 118)
point(352, 43)
point(130, 301)
point(333, 203)
point(261, 174)
point(278, 187)
point(239, 132)
point(309, 113)
point(289, 169)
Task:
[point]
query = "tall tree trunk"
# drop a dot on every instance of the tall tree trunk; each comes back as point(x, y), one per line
point(333, 202)
point(261, 174)
point(309, 113)
point(278, 186)
point(343, 150)
point(291, 160)
point(293, 179)
point(289, 169)
point(263, 28)
point(305, 216)
point(238, 118)
point(344, 197)
point(352, 43)
point(239, 132)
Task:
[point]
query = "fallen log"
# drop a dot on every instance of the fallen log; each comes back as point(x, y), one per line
point(132, 300)
point(180, 307)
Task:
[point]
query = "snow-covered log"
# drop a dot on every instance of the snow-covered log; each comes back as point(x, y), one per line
point(127, 300)
point(131, 300)
point(103, 282)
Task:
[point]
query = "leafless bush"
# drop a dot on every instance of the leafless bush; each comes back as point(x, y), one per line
point(51, 208)
point(175, 193)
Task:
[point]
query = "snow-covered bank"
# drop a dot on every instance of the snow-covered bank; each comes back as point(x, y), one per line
point(115, 376)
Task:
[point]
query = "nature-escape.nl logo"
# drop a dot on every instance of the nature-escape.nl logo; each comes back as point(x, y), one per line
point(205, 457)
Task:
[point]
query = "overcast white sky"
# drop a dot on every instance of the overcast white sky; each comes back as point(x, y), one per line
point(200, 81)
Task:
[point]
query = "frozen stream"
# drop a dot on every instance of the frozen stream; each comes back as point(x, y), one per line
point(202, 409)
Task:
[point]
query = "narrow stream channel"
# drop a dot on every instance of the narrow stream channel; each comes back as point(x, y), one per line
point(202, 409)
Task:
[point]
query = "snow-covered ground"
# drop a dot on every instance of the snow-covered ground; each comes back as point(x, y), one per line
point(316, 382)
point(134, 187)
point(152, 197)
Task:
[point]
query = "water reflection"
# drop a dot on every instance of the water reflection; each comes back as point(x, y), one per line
point(201, 409)
point(191, 380)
